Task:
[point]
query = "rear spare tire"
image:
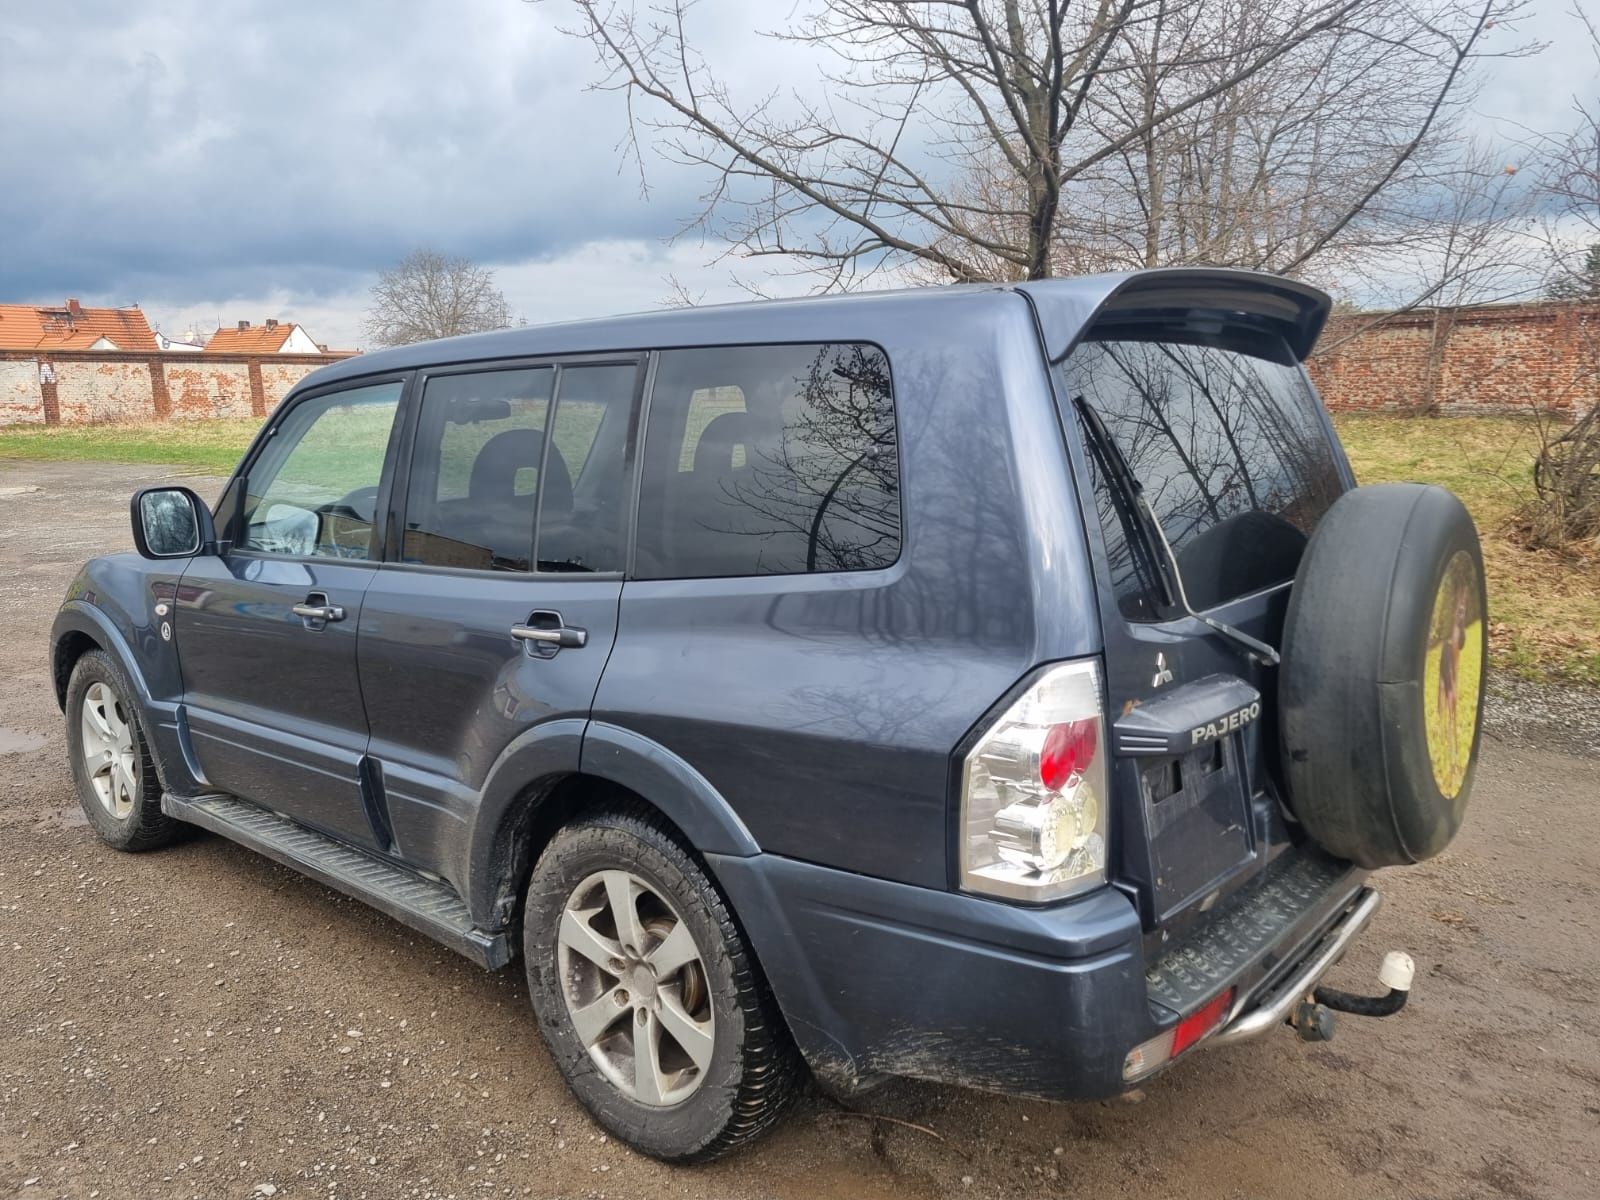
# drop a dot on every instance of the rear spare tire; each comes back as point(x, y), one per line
point(1381, 687)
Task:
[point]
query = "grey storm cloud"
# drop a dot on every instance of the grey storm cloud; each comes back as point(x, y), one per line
point(196, 148)
point(185, 151)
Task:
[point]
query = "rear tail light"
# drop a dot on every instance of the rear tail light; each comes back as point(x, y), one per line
point(1158, 1051)
point(1033, 811)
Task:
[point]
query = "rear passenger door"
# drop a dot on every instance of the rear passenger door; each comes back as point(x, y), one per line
point(497, 603)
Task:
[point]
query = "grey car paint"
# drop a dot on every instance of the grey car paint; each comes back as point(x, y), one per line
point(800, 730)
point(882, 672)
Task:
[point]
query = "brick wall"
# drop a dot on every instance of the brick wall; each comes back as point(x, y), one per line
point(90, 386)
point(1494, 359)
point(200, 388)
point(20, 399)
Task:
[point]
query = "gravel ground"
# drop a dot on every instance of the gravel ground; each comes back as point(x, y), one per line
point(200, 1022)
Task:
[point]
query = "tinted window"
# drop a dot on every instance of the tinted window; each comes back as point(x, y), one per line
point(582, 517)
point(1232, 456)
point(495, 448)
point(313, 490)
point(475, 469)
point(764, 460)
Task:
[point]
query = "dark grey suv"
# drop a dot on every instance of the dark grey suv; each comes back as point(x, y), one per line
point(1006, 686)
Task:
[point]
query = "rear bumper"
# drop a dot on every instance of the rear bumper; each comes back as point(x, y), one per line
point(879, 978)
point(1270, 1006)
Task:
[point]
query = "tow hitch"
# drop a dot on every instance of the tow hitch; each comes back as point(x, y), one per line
point(1312, 1019)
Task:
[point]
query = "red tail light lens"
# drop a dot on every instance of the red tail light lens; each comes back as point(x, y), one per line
point(1201, 1022)
point(1033, 792)
point(1160, 1050)
point(1068, 750)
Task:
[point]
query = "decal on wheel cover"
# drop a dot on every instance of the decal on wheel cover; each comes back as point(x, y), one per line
point(1452, 674)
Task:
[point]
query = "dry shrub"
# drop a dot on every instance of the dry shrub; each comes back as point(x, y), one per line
point(1564, 511)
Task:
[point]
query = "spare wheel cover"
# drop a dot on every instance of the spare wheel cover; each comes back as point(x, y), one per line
point(1381, 687)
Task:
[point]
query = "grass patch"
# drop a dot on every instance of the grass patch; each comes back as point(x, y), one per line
point(214, 446)
point(1544, 608)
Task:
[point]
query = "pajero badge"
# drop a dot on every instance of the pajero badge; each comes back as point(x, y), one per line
point(1236, 720)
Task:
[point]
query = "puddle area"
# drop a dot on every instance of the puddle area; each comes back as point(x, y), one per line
point(16, 741)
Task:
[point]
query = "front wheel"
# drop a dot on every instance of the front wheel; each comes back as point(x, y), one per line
point(111, 767)
point(646, 994)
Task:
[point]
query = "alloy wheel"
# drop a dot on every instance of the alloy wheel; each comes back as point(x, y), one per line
point(110, 757)
point(636, 988)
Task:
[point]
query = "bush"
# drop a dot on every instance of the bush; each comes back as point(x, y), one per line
point(1564, 512)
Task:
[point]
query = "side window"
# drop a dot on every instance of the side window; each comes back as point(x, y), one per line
point(497, 450)
point(769, 460)
point(313, 491)
point(582, 518)
point(1230, 452)
point(475, 469)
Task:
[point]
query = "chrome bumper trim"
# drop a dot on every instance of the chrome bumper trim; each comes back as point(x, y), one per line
point(1242, 1026)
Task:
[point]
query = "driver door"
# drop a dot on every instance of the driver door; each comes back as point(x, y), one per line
point(266, 630)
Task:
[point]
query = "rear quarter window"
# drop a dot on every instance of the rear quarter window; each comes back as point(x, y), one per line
point(769, 460)
point(1230, 449)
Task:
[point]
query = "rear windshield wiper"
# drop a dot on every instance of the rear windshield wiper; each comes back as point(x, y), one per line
point(1129, 493)
point(1126, 482)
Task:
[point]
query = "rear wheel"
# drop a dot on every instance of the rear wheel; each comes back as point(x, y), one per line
point(646, 994)
point(111, 766)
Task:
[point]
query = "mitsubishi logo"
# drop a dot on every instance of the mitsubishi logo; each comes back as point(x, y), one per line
point(1163, 674)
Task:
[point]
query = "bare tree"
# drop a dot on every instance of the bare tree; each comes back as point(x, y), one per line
point(1572, 187)
point(430, 295)
point(1460, 240)
point(1336, 156)
point(1576, 282)
point(1565, 509)
point(985, 139)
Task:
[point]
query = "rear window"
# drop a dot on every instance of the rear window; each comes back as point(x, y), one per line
point(769, 460)
point(1230, 450)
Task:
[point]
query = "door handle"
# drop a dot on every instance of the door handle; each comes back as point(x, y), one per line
point(311, 610)
point(550, 633)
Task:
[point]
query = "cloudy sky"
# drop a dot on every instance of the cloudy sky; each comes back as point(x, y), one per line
point(216, 162)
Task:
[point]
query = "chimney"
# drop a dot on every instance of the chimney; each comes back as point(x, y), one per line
point(272, 322)
point(243, 325)
point(73, 307)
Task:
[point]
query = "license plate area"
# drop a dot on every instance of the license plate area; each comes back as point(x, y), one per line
point(1198, 817)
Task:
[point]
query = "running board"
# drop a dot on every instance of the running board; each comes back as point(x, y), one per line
point(428, 906)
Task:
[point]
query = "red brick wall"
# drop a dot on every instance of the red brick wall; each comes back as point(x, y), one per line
point(90, 386)
point(1495, 359)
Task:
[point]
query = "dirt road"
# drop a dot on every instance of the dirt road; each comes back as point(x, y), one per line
point(200, 1022)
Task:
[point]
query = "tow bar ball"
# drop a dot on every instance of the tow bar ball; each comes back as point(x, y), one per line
point(1312, 1019)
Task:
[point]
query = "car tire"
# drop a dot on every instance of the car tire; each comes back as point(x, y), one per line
point(1381, 688)
point(736, 1068)
point(112, 770)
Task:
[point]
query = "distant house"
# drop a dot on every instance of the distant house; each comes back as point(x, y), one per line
point(272, 338)
point(187, 343)
point(73, 327)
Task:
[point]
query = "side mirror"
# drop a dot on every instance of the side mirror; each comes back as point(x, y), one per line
point(171, 522)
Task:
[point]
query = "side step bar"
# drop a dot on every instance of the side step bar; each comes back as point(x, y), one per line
point(426, 905)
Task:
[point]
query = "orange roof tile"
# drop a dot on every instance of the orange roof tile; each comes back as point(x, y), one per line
point(48, 327)
point(253, 339)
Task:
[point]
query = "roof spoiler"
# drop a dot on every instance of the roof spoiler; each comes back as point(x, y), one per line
point(1067, 308)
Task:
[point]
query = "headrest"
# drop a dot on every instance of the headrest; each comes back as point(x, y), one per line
point(714, 451)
